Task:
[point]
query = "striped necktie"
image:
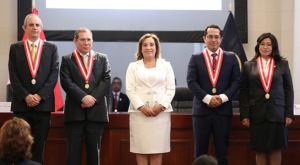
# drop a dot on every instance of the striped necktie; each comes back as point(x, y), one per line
point(214, 61)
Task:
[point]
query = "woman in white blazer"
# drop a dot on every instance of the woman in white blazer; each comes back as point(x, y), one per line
point(150, 87)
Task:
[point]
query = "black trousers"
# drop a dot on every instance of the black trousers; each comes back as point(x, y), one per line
point(40, 125)
point(75, 132)
point(219, 126)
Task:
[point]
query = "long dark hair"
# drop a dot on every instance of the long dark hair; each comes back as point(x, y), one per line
point(275, 50)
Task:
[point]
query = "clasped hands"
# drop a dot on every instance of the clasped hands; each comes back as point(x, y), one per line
point(33, 100)
point(88, 101)
point(152, 112)
point(215, 101)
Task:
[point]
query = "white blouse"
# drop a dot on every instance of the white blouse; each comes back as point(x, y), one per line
point(151, 75)
point(266, 64)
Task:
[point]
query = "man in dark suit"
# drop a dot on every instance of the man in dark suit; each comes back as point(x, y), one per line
point(85, 77)
point(119, 100)
point(214, 77)
point(33, 71)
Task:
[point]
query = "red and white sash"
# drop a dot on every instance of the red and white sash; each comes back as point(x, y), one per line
point(266, 82)
point(33, 67)
point(85, 73)
point(213, 75)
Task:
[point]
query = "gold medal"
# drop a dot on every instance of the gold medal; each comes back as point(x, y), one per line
point(267, 96)
point(87, 86)
point(33, 81)
point(214, 90)
point(116, 110)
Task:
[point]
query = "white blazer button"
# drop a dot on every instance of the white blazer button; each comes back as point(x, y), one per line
point(154, 92)
point(149, 93)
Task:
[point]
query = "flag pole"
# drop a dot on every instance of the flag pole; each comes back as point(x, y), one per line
point(33, 4)
point(230, 6)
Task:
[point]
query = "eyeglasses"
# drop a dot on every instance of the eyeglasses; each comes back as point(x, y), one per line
point(263, 45)
point(212, 37)
point(85, 40)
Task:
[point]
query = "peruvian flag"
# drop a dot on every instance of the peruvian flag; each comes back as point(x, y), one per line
point(58, 98)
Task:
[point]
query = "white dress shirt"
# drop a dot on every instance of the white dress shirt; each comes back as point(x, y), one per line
point(266, 64)
point(36, 43)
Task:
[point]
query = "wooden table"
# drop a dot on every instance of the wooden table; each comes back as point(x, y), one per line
point(115, 142)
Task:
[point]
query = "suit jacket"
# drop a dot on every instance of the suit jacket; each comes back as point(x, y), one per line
point(199, 83)
point(123, 103)
point(73, 83)
point(140, 92)
point(254, 105)
point(25, 162)
point(20, 77)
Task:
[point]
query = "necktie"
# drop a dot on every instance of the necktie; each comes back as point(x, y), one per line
point(116, 100)
point(214, 61)
point(84, 60)
point(33, 52)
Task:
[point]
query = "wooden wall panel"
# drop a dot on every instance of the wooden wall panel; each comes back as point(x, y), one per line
point(237, 150)
point(180, 152)
point(126, 157)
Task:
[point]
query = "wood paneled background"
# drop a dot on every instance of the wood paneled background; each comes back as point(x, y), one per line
point(115, 142)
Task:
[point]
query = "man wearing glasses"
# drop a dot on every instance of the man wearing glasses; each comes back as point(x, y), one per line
point(85, 77)
point(119, 101)
point(214, 77)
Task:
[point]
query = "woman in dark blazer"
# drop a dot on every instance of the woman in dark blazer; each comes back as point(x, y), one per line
point(266, 100)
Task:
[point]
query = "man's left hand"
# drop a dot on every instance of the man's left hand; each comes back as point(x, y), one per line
point(38, 98)
point(288, 121)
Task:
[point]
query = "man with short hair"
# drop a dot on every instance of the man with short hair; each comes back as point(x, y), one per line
point(33, 71)
point(85, 77)
point(214, 77)
point(119, 100)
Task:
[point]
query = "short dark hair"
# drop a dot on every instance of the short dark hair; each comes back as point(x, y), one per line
point(212, 26)
point(83, 29)
point(117, 78)
point(205, 160)
point(275, 50)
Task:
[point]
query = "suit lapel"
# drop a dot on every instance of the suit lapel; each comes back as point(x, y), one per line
point(255, 69)
point(202, 64)
point(23, 49)
point(120, 99)
point(44, 46)
point(76, 67)
point(160, 72)
point(74, 60)
point(43, 52)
